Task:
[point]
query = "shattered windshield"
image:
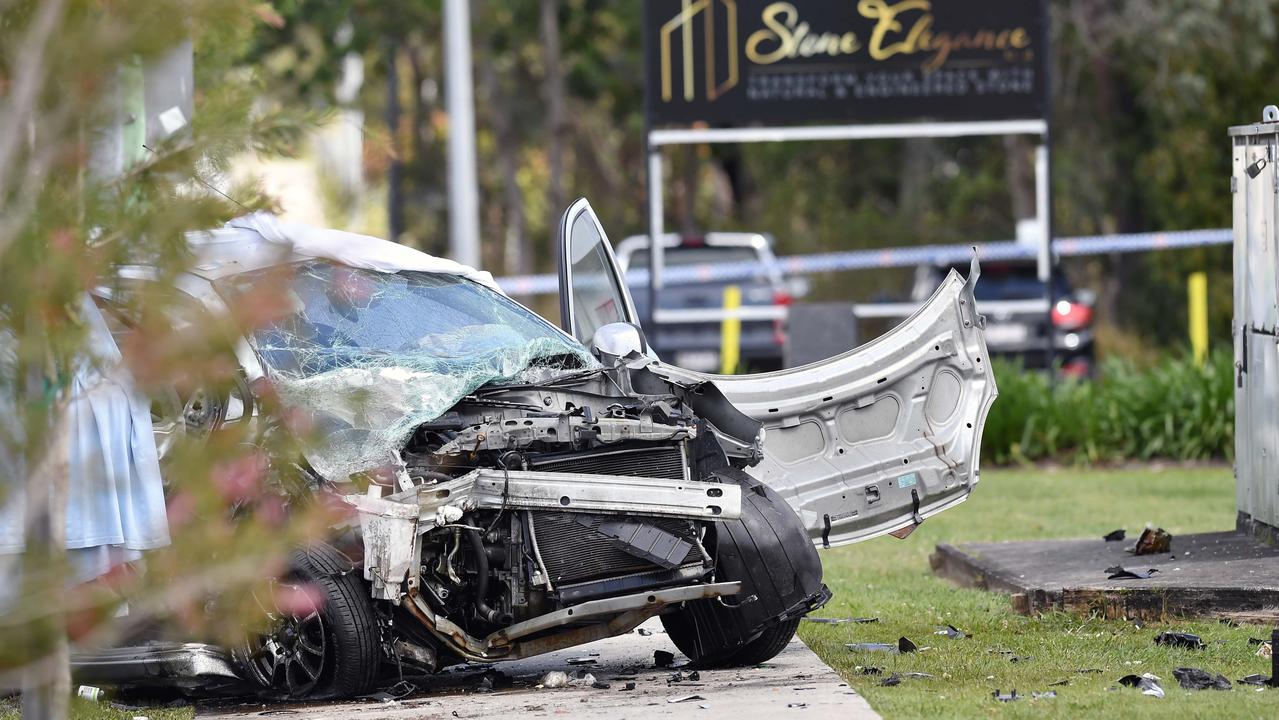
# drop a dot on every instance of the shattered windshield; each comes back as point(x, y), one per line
point(370, 355)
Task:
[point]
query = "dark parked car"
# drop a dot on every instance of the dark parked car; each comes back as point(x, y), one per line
point(690, 314)
point(522, 488)
point(1011, 296)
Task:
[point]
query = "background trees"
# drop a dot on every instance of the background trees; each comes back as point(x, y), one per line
point(1144, 91)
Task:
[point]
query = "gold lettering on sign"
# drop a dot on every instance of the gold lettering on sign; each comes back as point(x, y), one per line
point(784, 37)
point(890, 36)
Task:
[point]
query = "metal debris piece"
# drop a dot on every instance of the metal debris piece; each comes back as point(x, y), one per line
point(1010, 697)
point(1196, 679)
point(628, 686)
point(582, 661)
point(1115, 535)
point(663, 658)
point(872, 647)
point(919, 676)
point(840, 621)
point(1181, 640)
point(1255, 679)
point(644, 632)
point(1153, 541)
point(904, 645)
point(554, 679)
point(1148, 684)
point(1117, 572)
point(951, 632)
point(695, 676)
point(892, 680)
point(684, 698)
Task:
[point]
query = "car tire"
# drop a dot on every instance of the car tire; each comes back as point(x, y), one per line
point(768, 550)
point(345, 629)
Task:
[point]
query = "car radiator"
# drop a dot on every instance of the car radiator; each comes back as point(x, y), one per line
point(666, 461)
point(576, 549)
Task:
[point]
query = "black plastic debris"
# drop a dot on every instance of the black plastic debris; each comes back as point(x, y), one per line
point(1255, 679)
point(871, 647)
point(1060, 683)
point(1196, 679)
point(644, 632)
point(951, 632)
point(1010, 697)
point(695, 676)
point(1115, 535)
point(1147, 684)
point(1089, 671)
point(1153, 541)
point(1020, 658)
point(1117, 572)
point(840, 621)
point(628, 686)
point(599, 685)
point(904, 645)
point(1257, 641)
point(663, 658)
point(1181, 640)
point(892, 680)
point(493, 680)
point(869, 670)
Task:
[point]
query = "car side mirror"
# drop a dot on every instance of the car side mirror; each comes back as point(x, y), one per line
point(618, 340)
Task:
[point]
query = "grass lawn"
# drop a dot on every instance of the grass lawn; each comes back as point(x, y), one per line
point(890, 579)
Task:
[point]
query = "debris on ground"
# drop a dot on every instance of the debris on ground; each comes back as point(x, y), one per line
point(1010, 697)
point(869, 670)
point(1115, 535)
point(1089, 671)
point(1020, 658)
point(684, 698)
point(1196, 679)
point(628, 686)
point(1153, 541)
point(872, 647)
point(1181, 640)
point(951, 632)
point(892, 680)
point(1148, 684)
point(582, 661)
point(663, 658)
point(1265, 648)
point(904, 645)
point(1255, 679)
point(1060, 683)
point(840, 621)
point(1043, 695)
point(554, 679)
point(493, 680)
point(1117, 572)
point(644, 632)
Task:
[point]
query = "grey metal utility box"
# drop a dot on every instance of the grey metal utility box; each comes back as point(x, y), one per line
point(1254, 183)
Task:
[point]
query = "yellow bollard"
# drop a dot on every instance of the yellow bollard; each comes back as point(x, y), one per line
point(1198, 291)
point(730, 334)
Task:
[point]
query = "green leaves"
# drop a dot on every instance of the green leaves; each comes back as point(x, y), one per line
point(1173, 410)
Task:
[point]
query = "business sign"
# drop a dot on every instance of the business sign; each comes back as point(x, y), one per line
point(735, 62)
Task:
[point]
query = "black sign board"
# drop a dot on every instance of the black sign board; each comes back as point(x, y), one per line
point(736, 62)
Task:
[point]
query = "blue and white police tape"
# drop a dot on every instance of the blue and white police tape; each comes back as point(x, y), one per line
point(896, 257)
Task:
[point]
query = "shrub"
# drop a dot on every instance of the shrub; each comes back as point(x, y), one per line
point(1174, 410)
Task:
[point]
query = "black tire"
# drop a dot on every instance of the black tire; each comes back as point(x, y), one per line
point(351, 647)
point(768, 550)
point(682, 628)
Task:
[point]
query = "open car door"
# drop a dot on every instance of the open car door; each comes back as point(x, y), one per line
point(862, 444)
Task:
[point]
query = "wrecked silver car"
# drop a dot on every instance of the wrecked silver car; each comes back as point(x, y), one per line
point(521, 489)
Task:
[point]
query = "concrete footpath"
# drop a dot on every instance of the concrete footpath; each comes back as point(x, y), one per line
point(795, 684)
